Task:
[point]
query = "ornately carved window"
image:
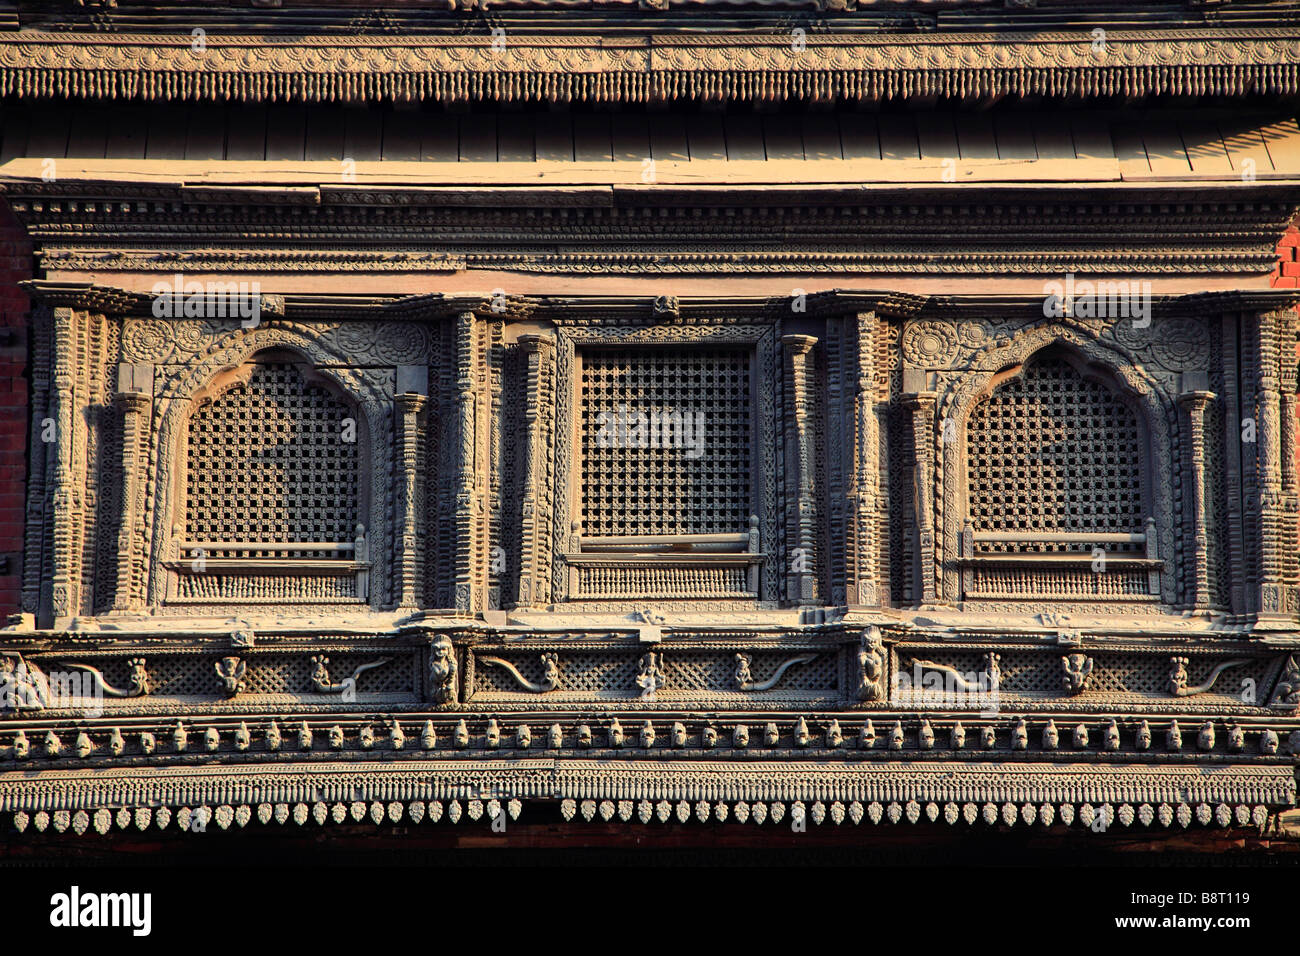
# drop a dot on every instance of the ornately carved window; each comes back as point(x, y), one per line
point(665, 441)
point(273, 491)
point(1055, 499)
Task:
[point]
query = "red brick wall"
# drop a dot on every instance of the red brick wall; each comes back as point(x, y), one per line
point(1287, 273)
point(16, 264)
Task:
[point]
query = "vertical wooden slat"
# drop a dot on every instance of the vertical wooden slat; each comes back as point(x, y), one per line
point(782, 137)
point(362, 135)
point(668, 138)
point(1204, 145)
point(631, 138)
point(1245, 144)
point(554, 139)
point(515, 139)
point(324, 135)
point(1015, 137)
point(286, 132)
point(936, 136)
point(705, 137)
point(1052, 138)
point(48, 134)
point(1164, 145)
point(975, 136)
point(401, 136)
point(206, 138)
point(859, 137)
point(1282, 139)
point(89, 135)
point(821, 137)
point(440, 138)
point(897, 137)
point(1092, 136)
point(246, 138)
point(592, 140)
point(167, 129)
point(17, 122)
point(744, 137)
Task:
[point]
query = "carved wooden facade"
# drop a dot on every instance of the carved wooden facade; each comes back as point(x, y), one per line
point(731, 553)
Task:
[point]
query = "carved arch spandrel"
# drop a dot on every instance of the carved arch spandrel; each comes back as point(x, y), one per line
point(178, 394)
point(1158, 416)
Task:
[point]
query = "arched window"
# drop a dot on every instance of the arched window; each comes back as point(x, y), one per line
point(273, 489)
point(1055, 495)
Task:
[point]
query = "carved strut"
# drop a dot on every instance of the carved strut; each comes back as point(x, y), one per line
point(551, 681)
point(772, 681)
point(1209, 681)
point(139, 686)
point(324, 686)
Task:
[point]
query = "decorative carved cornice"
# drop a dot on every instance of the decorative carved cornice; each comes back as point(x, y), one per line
point(756, 67)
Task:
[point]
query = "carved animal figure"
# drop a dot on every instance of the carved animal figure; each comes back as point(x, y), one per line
point(230, 671)
point(744, 679)
point(1178, 677)
point(320, 675)
point(550, 673)
point(139, 678)
point(1078, 673)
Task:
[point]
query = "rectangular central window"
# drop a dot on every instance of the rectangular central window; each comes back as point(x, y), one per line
point(666, 442)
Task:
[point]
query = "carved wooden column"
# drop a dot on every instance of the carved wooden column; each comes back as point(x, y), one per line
point(1195, 403)
point(64, 592)
point(922, 406)
point(410, 400)
point(535, 504)
point(864, 490)
point(800, 508)
point(1276, 528)
point(135, 399)
point(471, 563)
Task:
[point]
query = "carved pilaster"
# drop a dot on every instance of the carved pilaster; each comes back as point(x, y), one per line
point(1277, 510)
point(864, 491)
point(410, 401)
point(1195, 403)
point(471, 558)
point(134, 398)
point(535, 502)
point(922, 406)
point(800, 507)
point(64, 504)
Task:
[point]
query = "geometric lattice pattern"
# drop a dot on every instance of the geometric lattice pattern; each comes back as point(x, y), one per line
point(267, 462)
point(666, 440)
point(1052, 451)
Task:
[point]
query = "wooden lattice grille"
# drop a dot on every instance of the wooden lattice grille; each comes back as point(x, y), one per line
point(1052, 451)
point(268, 462)
point(636, 484)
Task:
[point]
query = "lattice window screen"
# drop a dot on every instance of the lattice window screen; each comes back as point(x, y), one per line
point(1051, 451)
point(630, 490)
point(267, 462)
